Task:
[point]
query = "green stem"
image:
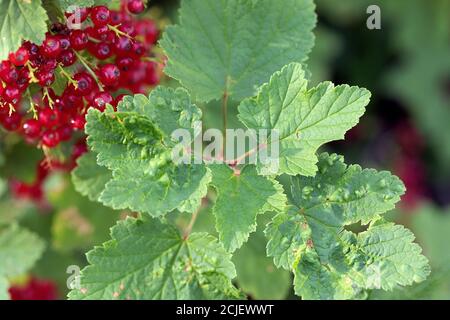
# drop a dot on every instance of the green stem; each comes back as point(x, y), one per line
point(225, 119)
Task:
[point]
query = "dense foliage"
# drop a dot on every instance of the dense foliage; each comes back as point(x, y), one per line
point(88, 97)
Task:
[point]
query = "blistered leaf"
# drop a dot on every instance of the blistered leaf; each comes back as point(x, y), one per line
point(147, 259)
point(135, 143)
point(330, 262)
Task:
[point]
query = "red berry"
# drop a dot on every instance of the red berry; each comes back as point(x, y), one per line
point(42, 171)
point(109, 74)
point(79, 149)
point(51, 138)
point(100, 50)
point(20, 57)
point(31, 128)
point(8, 72)
point(24, 79)
point(100, 16)
point(64, 132)
point(136, 6)
point(101, 99)
point(64, 42)
point(12, 122)
point(138, 49)
point(49, 117)
point(45, 78)
point(67, 58)
point(125, 63)
point(51, 47)
point(78, 122)
point(11, 94)
point(36, 289)
point(123, 46)
point(85, 83)
point(78, 40)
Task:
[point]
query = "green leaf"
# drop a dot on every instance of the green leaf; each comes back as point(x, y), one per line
point(66, 4)
point(256, 273)
point(4, 285)
point(136, 144)
point(305, 119)
point(89, 178)
point(241, 197)
point(19, 250)
point(330, 262)
point(230, 47)
point(173, 187)
point(169, 108)
point(147, 259)
point(20, 20)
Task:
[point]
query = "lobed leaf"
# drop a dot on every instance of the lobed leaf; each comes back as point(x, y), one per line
point(148, 259)
point(240, 199)
point(135, 143)
point(230, 47)
point(305, 119)
point(330, 262)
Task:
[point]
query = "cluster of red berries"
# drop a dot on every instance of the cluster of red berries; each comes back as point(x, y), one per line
point(108, 51)
point(104, 55)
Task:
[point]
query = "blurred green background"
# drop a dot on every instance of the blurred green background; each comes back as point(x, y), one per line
point(406, 66)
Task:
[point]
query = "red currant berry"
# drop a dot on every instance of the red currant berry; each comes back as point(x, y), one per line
point(49, 117)
point(101, 99)
point(65, 132)
point(12, 122)
point(78, 122)
point(42, 171)
point(11, 94)
point(50, 138)
point(20, 57)
point(8, 73)
point(123, 46)
point(51, 47)
point(85, 83)
point(64, 41)
point(45, 78)
point(109, 74)
point(67, 58)
point(100, 16)
point(138, 49)
point(31, 128)
point(101, 50)
point(125, 63)
point(78, 40)
point(79, 149)
point(135, 6)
